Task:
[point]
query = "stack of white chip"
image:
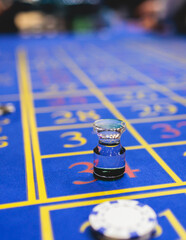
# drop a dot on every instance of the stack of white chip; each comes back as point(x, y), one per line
point(123, 219)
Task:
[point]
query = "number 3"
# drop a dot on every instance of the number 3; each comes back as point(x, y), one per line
point(76, 136)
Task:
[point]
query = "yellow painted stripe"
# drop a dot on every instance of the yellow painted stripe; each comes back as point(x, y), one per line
point(94, 194)
point(155, 145)
point(89, 125)
point(31, 193)
point(17, 204)
point(9, 97)
point(55, 128)
point(151, 50)
point(175, 223)
point(134, 147)
point(168, 144)
point(74, 68)
point(54, 94)
point(169, 93)
point(69, 107)
point(24, 69)
point(88, 106)
point(97, 201)
point(66, 154)
point(118, 191)
point(82, 152)
point(158, 119)
point(145, 79)
point(46, 226)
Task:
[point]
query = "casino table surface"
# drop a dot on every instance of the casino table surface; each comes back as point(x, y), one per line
point(61, 84)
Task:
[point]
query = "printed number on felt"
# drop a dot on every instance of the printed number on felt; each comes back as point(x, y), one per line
point(75, 137)
point(88, 169)
point(169, 131)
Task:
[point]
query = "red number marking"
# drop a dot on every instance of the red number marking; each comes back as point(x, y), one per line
point(99, 148)
point(181, 124)
point(58, 102)
point(78, 100)
point(129, 171)
point(96, 161)
point(167, 129)
point(89, 169)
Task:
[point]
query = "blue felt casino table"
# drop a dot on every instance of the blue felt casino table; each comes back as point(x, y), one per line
point(61, 84)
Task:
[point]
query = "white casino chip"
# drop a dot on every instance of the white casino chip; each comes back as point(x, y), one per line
point(123, 219)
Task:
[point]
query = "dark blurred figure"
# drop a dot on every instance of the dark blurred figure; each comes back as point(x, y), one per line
point(68, 15)
point(127, 8)
point(180, 19)
point(26, 16)
point(8, 13)
point(36, 16)
point(159, 14)
point(77, 13)
point(153, 14)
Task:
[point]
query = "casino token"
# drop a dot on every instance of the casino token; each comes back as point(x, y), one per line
point(123, 219)
point(6, 108)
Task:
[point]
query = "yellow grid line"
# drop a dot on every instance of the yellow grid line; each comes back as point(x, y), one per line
point(31, 193)
point(175, 223)
point(169, 93)
point(144, 78)
point(24, 69)
point(83, 92)
point(158, 119)
point(154, 145)
point(100, 95)
point(84, 106)
point(70, 107)
point(46, 225)
point(74, 68)
point(168, 144)
point(66, 93)
point(9, 97)
point(164, 54)
point(66, 154)
point(133, 121)
point(93, 194)
point(64, 127)
point(97, 201)
point(82, 152)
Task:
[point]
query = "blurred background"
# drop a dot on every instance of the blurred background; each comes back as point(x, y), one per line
point(50, 16)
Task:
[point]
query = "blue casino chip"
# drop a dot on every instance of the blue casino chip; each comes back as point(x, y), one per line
point(123, 219)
